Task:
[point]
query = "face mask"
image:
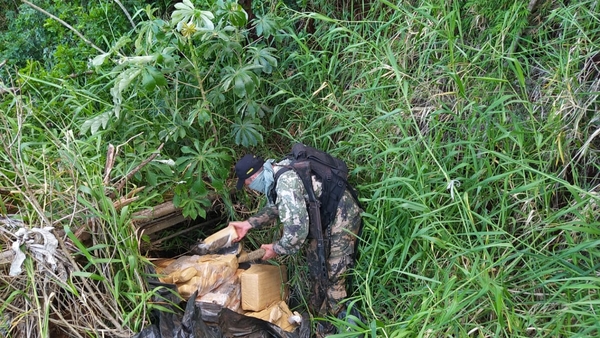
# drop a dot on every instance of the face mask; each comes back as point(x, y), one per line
point(258, 183)
point(264, 181)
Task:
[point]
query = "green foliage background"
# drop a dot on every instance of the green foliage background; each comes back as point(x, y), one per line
point(471, 128)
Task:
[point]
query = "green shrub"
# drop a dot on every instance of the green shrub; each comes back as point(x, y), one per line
point(31, 35)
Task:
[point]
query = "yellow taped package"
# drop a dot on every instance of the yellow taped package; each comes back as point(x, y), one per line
point(172, 271)
point(162, 263)
point(229, 233)
point(262, 285)
point(278, 313)
point(180, 264)
point(210, 272)
point(227, 294)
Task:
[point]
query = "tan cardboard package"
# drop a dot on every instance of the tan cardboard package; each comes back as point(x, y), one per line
point(263, 285)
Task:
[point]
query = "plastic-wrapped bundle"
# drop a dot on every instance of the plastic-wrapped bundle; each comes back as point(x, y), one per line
point(228, 294)
point(199, 273)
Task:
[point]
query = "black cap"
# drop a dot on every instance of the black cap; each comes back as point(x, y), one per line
point(246, 167)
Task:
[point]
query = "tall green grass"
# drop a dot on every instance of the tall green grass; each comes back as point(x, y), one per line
point(475, 154)
point(52, 179)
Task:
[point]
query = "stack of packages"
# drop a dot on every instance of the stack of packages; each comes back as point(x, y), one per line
point(258, 291)
point(215, 277)
point(264, 293)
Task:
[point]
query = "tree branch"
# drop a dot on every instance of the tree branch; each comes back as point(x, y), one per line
point(64, 24)
point(119, 185)
point(126, 13)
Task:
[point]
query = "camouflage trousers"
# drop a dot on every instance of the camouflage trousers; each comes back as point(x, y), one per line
point(341, 241)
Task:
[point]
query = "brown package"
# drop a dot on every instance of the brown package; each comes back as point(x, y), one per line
point(262, 285)
point(211, 272)
point(278, 313)
point(226, 295)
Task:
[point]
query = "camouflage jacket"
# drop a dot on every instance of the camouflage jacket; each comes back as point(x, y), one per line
point(291, 209)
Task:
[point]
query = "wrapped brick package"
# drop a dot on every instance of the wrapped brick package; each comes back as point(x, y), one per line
point(227, 295)
point(262, 285)
point(202, 273)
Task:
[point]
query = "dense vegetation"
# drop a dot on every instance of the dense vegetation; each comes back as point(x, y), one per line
point(471, 128)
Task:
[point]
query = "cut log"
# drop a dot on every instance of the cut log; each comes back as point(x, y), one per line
point(161, 210)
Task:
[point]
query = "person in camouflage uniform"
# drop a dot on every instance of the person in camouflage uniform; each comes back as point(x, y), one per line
point(290, 208)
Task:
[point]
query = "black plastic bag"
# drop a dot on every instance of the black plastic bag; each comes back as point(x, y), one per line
point(233, 324)
point(176, 324)
point(230, 323)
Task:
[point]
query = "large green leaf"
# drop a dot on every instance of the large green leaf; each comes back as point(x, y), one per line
point(233, 13)
point(94, 124)
point(243, 80)
point(204, 160)
point(263, 57)
point(266, 25)
point(248, 132)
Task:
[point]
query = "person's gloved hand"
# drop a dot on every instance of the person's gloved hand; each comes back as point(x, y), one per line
point(241, 227)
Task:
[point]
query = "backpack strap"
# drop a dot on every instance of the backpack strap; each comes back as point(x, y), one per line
point(273, 192)
point(315, 229)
